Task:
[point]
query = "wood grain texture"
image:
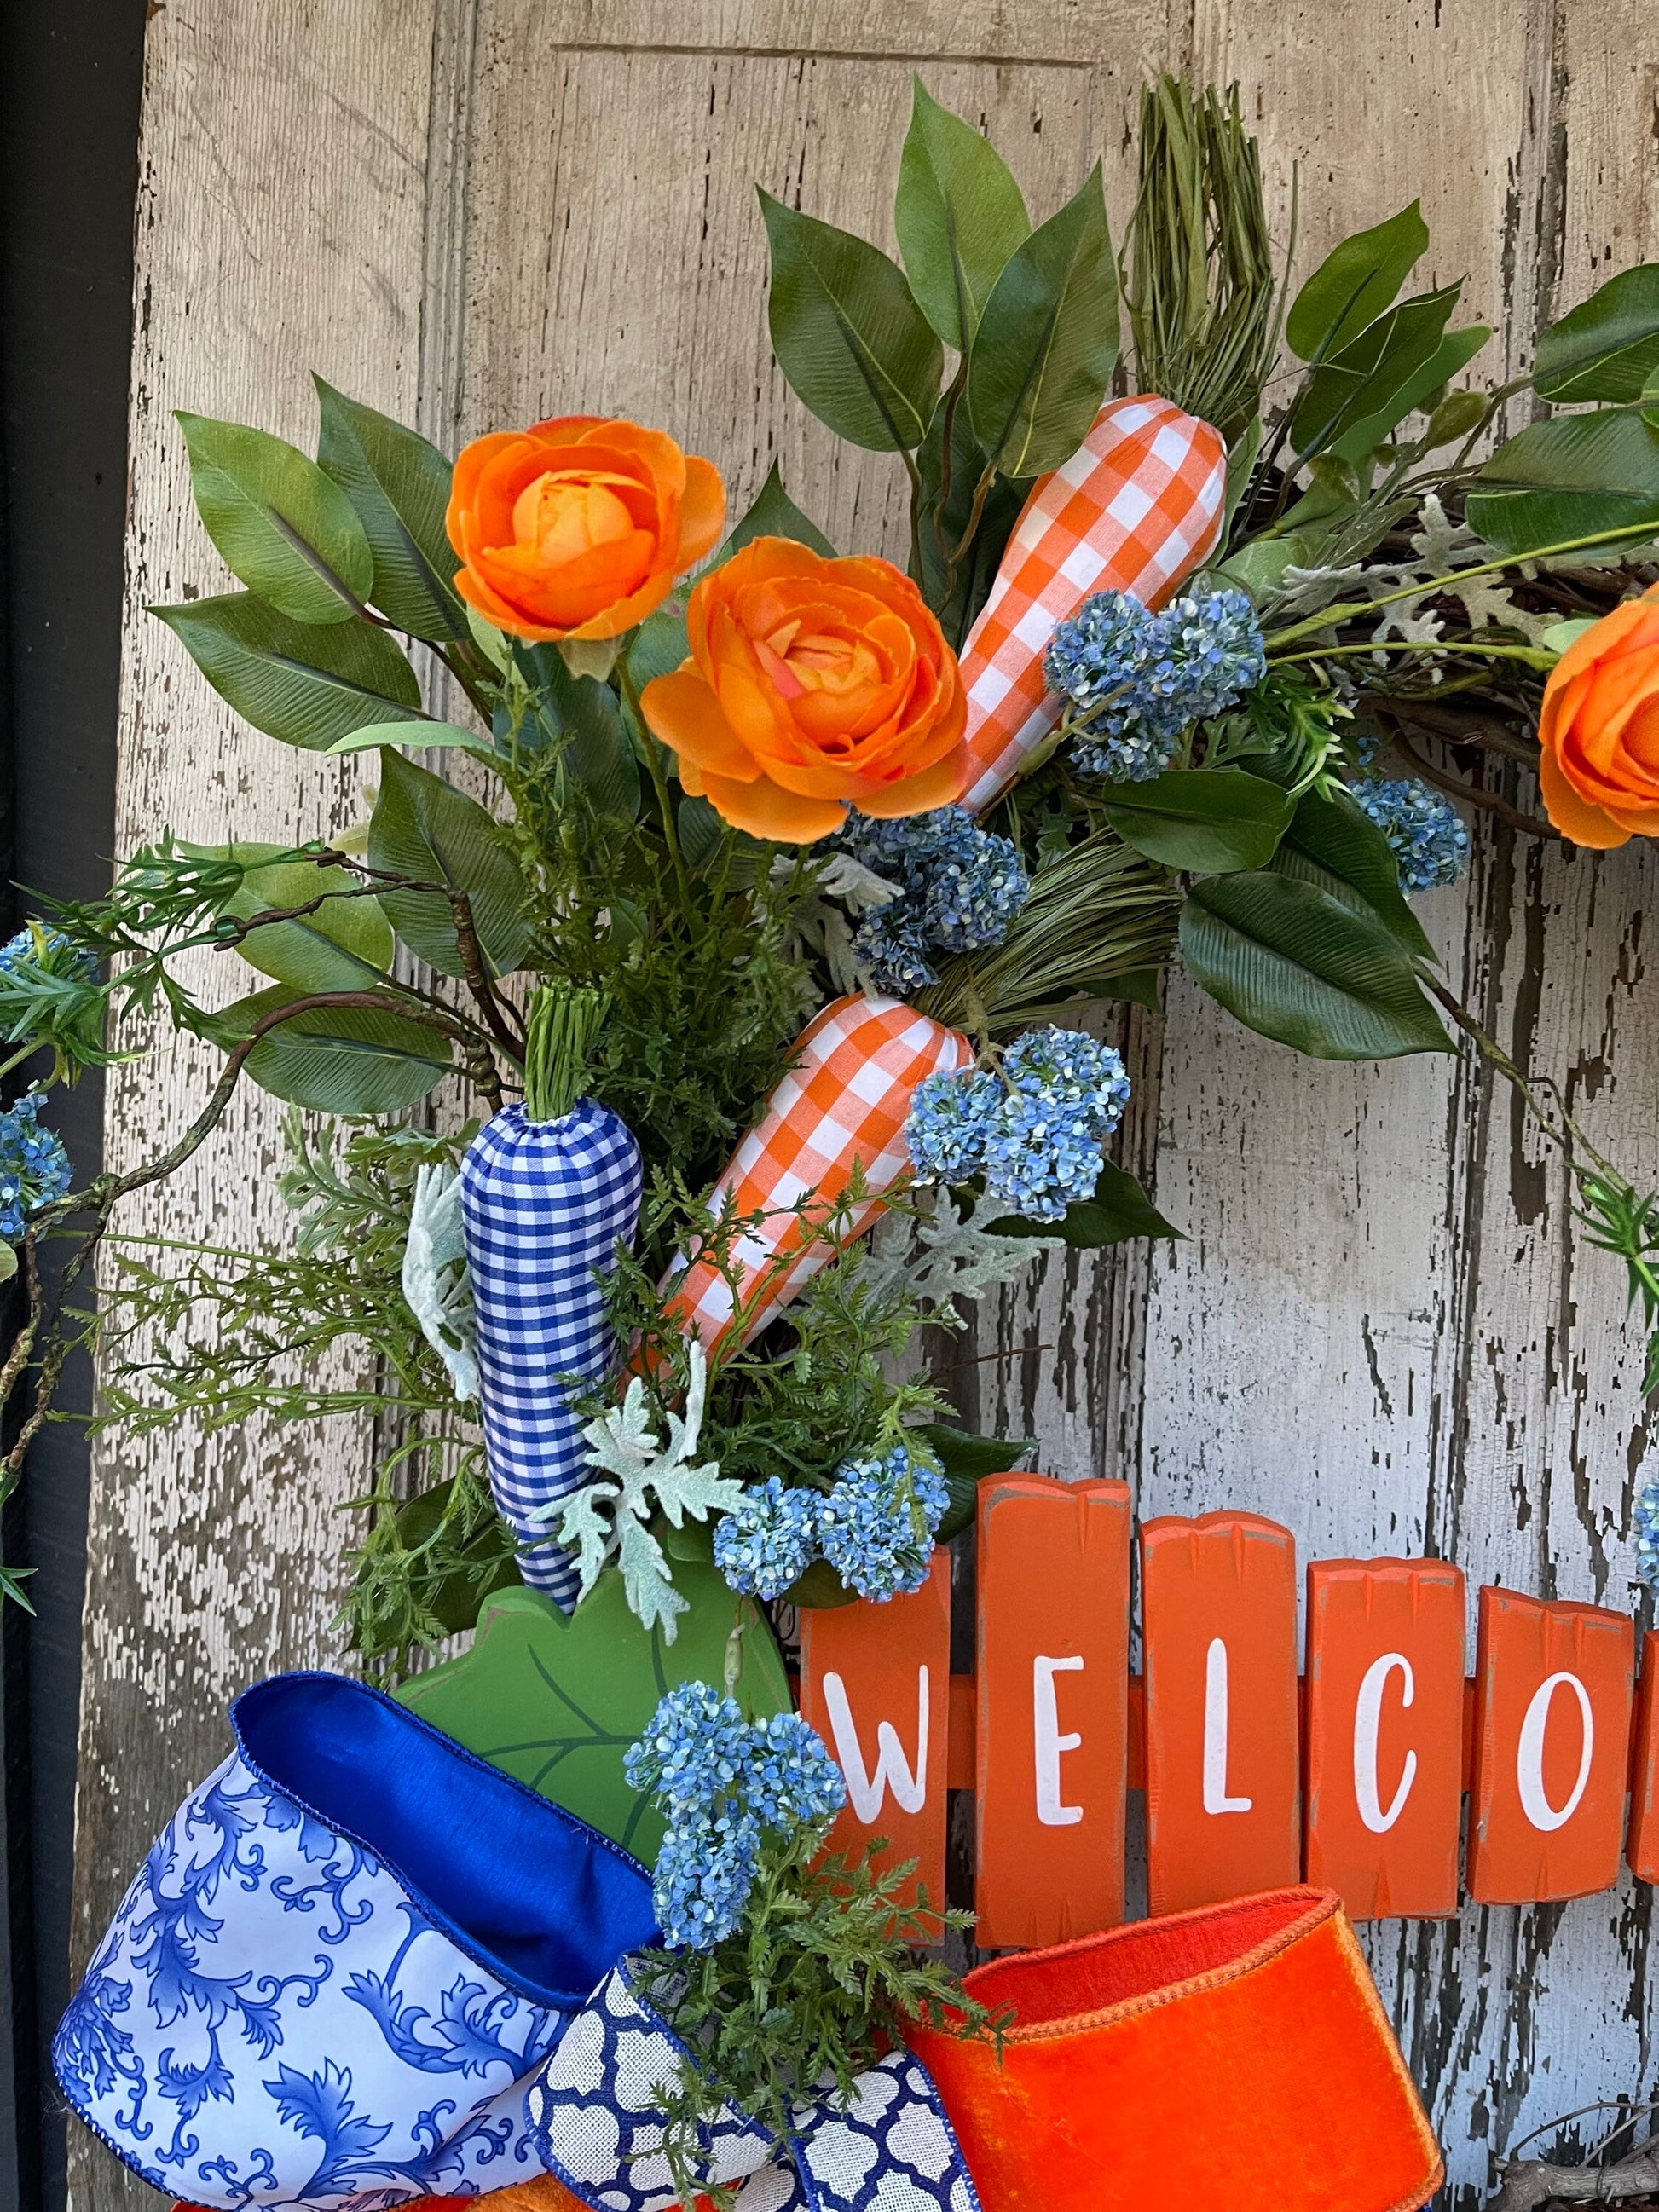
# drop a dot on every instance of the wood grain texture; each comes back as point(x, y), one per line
point(1383, 1329)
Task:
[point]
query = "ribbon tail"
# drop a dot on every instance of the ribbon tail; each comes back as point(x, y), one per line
point(889, 2148)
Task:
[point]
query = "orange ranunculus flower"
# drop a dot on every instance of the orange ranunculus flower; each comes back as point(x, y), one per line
point(578, 527)
point(812, 684)
point(1600, 730)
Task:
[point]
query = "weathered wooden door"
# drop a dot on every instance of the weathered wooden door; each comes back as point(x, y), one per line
point(1381, 1329)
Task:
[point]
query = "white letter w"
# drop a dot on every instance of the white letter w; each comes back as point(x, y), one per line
point(907, 1783)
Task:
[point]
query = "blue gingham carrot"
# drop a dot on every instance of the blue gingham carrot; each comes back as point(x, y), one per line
point(548, 1189)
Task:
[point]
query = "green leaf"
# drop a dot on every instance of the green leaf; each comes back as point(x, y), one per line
point(659, 645)
point(284, 527)
point(1209, 820)
point(958, 217)
point(1119, 1210)
point(1607, 348)
point(346, 946)
point(454, 1600)
point(1354, 283)
point(1294, 963)
point(556, 1701)
point(1360, 382)
point(596, 753)
point(424, 827)
point(417, 737)
point(1259, 564)
point(945, 516)
point(1335, 845)
point(847, 334)
point(303, 683)
point(1568, 478)
point(966, 1461)
point(701, 831)
point(1047, 340)
point(773, 515)
point(399, 486)
point(1454, 351)
point(338, 1060)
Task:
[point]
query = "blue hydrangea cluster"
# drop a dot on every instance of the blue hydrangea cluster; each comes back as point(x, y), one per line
point(876, 1524)
point(768, 1540)
point(34, 1168)
point(725, 1782)
point(1036, 1135)
point(1426, 832)
point(961, 888)
point(946, 1129)
point(49, 949)
point(1139, 680)
point(1647, 1533)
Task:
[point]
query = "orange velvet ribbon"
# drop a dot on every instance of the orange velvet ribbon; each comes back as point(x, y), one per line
point(1235, 2056)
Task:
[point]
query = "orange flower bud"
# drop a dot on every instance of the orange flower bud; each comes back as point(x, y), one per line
point(578, 527)
point(812, 684)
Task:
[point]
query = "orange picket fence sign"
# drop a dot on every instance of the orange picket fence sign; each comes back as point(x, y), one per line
point(1642, 1850)
point(1384, 1714)
point(875, 1682)
point(1218, 1621)
point(1553, 1687)
point(1052, 1708)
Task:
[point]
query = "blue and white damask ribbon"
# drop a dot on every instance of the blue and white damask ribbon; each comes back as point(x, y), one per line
point(340, 1964)
point(596, 2119)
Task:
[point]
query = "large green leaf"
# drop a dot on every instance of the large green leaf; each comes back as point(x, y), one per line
point(1047, 341)
point(1569, 478)
point(284, 527)
point(945, 511)
point(308, 684)
point(345, 945)
point(423, 828)
point(1335, 845)
point(966, 1461)
point(1119, 1210)
point(1411, 392)
point(556, 1701)
point(773, 515)
point(597, 754)
point(1209, 820)
point(1361, 380)
point(1352, 285)
point(958, 215)
point(1295, 963)
point(338, 1060)
point(1609, 347)
point(399, 486)
point(847, 334)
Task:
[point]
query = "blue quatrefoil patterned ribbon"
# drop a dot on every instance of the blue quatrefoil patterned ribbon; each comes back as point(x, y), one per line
point(360, 1967)
point(594, 2113)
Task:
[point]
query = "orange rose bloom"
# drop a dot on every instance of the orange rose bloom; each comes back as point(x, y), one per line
point(1600, 730)
point(578, 527)
point(812, 684)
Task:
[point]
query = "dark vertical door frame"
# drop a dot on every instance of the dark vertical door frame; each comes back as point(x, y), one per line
point(68, 123)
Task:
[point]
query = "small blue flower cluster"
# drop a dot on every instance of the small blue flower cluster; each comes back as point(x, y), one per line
point(878, 1523)
point(875, 1526)
point(1425, 831)
point(961, 888)
point(34, 1168)
point(725, 1782)
point(1647, 1533)
point(1142, 679)
point(1036, 1135)
point(47, 949)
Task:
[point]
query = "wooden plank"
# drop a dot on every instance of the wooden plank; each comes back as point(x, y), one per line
point(1052, 1708)
point(279, 229)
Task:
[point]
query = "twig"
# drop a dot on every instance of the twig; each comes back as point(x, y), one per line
point(1529, 2183)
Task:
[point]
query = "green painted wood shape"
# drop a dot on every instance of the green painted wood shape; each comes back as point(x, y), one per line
point(555, 1701)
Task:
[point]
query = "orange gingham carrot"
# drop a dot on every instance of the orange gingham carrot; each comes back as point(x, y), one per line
point(1135, 509)
point(846, 1098)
